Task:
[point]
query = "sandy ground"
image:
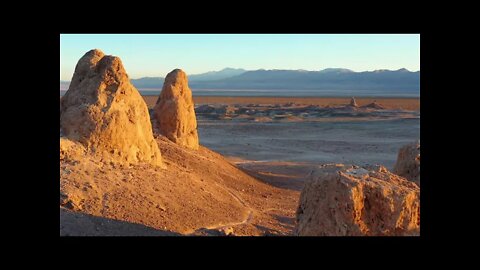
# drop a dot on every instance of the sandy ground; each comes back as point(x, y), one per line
point(199, 191)
point(389, 103)
point(80, 224)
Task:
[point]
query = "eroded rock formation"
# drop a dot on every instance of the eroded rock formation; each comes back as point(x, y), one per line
point(174, 112)
point(408, 162)
point(104, 112)
point(374, 105)
point(343, 200)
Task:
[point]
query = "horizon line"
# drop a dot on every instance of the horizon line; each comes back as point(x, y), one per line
point(246, 70)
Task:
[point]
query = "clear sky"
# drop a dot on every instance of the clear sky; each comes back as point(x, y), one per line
point(156, 55)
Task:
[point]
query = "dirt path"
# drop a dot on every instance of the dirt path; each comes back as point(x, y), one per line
point(230, 225)
point(224, 227)
point(238, 199)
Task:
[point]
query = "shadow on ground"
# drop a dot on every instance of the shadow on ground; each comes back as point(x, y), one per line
point(286, 176)
point(271, 232)
point(80, 224)
point(286, 222)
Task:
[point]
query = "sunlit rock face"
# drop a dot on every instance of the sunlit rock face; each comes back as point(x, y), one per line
point(105, 113)
point(174, 112)
point(343, 200)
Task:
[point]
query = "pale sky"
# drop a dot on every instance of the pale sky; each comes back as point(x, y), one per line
point(154, 55)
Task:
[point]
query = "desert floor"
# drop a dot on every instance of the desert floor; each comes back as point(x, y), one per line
point(389, 103)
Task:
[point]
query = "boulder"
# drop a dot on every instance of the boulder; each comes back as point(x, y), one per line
point(105, 113)
point(174, 112)
point(345, 200)
point(408, 162)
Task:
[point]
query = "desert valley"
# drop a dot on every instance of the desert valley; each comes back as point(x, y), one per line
point(176, 164)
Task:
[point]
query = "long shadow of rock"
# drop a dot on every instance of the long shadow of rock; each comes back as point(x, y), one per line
point(286, 222)
point(270, 232)
point(291, 176)
point(81, 224)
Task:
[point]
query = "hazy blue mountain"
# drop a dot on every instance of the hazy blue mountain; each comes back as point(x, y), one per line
point(330, 79)
point(327, 79)
point(157, 82)
point(336, 70)
point(148, 82)
point(216, 75)
point(64, 85)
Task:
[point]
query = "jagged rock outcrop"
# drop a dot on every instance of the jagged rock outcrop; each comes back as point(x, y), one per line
point(104, 112)
point(228, 110)
point(205, 109)
point(374, 105)
point(174, 112)
point(353, 102)
point(408, 162)
point(343, 200)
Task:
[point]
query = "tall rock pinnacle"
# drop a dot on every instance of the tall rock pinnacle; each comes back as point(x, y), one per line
point(174, 111)
point(104, 112)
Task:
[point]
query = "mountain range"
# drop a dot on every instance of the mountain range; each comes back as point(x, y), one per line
point(327, 79)
point(216, 75)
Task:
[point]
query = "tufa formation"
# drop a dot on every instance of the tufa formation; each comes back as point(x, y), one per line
point(353, 102)
point(104, 112)
point(174, 112)
point(342, 200)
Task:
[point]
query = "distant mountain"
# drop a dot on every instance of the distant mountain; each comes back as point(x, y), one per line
point(336, 70)
point(157, 82)
point(216, 75)
point(327, 79)
point(64, 85)
point(148, 82)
